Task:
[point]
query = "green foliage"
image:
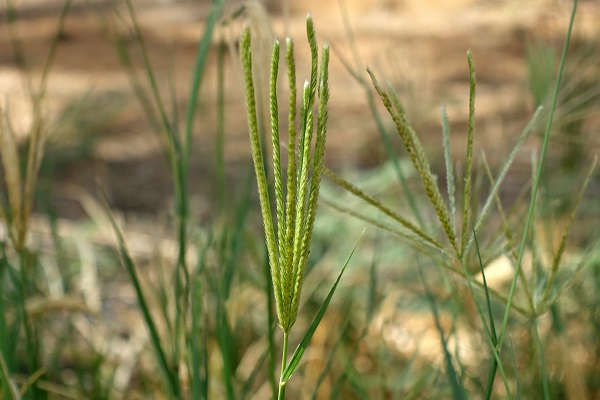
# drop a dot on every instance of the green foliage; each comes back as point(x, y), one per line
point(206, 317)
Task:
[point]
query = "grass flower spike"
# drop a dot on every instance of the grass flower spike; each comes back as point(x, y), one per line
point(288, 238)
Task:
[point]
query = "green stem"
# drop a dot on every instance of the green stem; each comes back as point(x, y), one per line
point(282, 383)
point(537, 179)
point(29, 330)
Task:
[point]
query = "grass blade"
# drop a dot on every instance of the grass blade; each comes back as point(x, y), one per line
point(168, 372)
point(536, 183)
point(299, 352)
point(457, 387)
point(8, 387)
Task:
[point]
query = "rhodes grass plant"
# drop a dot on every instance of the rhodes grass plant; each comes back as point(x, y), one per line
point(464, 245)
point(288, 237)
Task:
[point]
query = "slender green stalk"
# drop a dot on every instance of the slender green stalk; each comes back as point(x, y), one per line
point(204, 46)
point(9, 388)
point(455, 384)
point(168, 372)
point(220, 141)
point(537, 180)
point(542, 360)
point(282, 381)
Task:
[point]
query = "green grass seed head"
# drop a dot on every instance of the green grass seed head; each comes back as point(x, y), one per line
point(288, 238)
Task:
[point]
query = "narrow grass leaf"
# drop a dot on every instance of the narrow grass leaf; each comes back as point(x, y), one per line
point(173, 138)
point(490, 323)
point(541, 359)
point(503, 172)
point(197, 345)
point(537, 180)
point(225, 342)
point(299, 352)
point(517, 380)
point(169, 374)
point(12, 173)
point(220, 140)
point(494, 346)
point(204, 46)
point(457, 388)
point(8, 387)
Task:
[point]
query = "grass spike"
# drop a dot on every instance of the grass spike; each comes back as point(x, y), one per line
point(259, 170)
point(415, 151)
point(375, 203)
point(274, 110)
point(469, 161)
point(563, 240)
point(317, 168)
point(450, 184)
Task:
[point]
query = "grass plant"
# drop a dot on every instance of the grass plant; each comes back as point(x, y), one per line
point(213, 318)
point(456, 249)
point(288, 238)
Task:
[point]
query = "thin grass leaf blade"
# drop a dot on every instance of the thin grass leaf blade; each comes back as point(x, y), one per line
point(538, 176)
point(517, 380)
point(299, 352)
point(458, 391)
point(492, 327)
point(169, 374)
point(8, 387)
point(204, 45)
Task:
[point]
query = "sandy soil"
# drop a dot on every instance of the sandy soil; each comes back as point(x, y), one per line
point(419, 46)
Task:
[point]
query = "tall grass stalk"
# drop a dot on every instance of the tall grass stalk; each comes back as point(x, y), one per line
point(177, 148)
point(288, 237)
point(538, 177)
